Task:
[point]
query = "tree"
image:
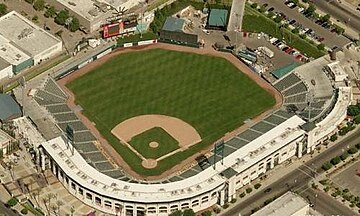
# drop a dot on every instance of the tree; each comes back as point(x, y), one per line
point(295, 31)
point(206, 213)
point(321, 46)
point(311, 9)
point(35, 18)
point(12, 202)
point(353, 110)
point(74, 24)
point(278, 19)
point(24, 211)
point(326, 166)
point(61, 17)
point(335, 160)
point(262, 9)
point(176, 213)
point(189, 212)
point(248, 190)
point(344, 156)
point(257, 185)
point(325, 18)
point(333, 138)
point(50, 12)
point(39, 5)
point(353, 150)
point(3, 9)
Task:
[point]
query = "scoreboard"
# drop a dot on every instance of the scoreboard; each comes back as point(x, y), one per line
point(114, 29)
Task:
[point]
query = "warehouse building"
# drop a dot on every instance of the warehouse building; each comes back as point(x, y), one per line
point(15, 59)
point(29, 38)
point(93, 14)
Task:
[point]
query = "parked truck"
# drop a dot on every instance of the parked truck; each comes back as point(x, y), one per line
point(266, 51)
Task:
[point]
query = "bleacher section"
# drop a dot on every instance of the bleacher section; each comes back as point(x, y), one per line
point(53, 98)
point(296, 93)
point(239, 141)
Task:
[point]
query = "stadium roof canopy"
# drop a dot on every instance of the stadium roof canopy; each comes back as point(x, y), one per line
point(9, 109)
point(174, 24)
point(218, 18)
point(280, 72)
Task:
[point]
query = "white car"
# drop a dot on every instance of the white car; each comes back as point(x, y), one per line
point(301, 9)
point(290, 4)
point(206, 31)
point(272, 40)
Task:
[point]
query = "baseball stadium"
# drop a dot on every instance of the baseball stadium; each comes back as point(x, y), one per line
point(149, 130)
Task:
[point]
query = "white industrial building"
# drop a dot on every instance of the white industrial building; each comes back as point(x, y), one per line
point(29, 38)
point(15, 59)
point(288, 204)
point(93, 14)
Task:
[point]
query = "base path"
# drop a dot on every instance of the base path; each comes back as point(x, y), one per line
point(205, 51)
point(181, 131)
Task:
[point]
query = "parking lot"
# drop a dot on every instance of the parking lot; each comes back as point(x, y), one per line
point(331, 39)
point(349, 178)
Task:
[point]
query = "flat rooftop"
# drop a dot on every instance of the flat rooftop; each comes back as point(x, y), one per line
point(90, 10)
point(3, 64)
point(26, 35)
point(218, 17)
point(10, 53)
point(287, 204)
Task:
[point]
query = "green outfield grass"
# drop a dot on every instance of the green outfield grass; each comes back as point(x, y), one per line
point(166, 142)
point(207, 92)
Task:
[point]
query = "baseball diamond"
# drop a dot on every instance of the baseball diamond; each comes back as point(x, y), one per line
point(208, 93)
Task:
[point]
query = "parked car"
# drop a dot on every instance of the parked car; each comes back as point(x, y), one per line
point(292, 22)
point(288, 50)
point(301, 9)
point(271, 9)
point(285, 49)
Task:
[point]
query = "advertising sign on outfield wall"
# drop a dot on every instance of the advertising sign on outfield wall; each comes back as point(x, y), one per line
point(147, 42)
point(103, 53)
point(128, 44)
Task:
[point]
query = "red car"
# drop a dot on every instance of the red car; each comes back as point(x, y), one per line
point(321, 39)
point(288, 50)
point(298, 57)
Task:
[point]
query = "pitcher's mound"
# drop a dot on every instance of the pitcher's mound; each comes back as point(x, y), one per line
point(154, 144)
point(149, 163)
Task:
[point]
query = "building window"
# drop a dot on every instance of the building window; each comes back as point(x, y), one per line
point(151, 210)
point(89, 196)
point(204, 199)
point(253, 172)
point(163, 209)
point(107, 204)
point(73, 185)
point(195, 203)
point(185, 206)
point(97, 201)
point(81, 191)
point(245, 177)
point(213, 195)
point(174, 208)
point(284, 153)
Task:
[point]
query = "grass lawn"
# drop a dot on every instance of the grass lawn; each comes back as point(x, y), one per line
point(207, 92)
point(253, 21)
point(166, 143)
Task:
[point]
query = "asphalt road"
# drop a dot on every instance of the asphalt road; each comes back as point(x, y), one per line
point(6, 211)
point(340, 12)
point(330, 39)
point(298, 180)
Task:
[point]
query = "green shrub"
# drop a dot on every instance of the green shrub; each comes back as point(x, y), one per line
point(233, 200)
point(345, 190)
point(321, 46)
point(323, 182)
point(357, 146)
point(217, 210)
point(344, 156)
point(333, 138)
point(257, 185)
point(326, 166)
point(226, 205)
point(353, 150)
point(335, 160)
point(254, 210)
point(24, 211)
point(326, 189)
point(12, 202)
point(206, 213)
point(242, 194)
point(248, 190)
point(254, 5)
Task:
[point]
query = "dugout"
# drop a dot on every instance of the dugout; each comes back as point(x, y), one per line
point(172, 32)
point(217, 19)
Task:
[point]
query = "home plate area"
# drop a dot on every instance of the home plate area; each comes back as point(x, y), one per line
point(155, 137)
